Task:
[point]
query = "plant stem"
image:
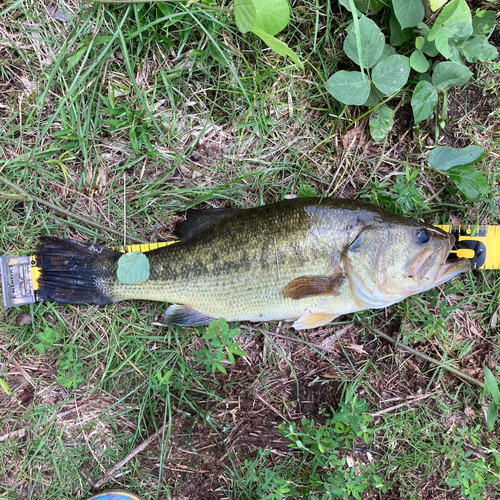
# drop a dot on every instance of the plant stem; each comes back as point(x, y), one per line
point(440, 364)
point(25, 195)
point(13, 197)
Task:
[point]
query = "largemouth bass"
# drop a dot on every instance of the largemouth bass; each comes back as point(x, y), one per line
point(308, 260)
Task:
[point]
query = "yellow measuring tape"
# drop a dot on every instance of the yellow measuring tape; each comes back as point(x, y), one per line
point(479, 244)
point(143, 247)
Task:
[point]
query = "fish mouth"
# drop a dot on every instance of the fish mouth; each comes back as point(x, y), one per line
point(452, 266)
point(426, 272)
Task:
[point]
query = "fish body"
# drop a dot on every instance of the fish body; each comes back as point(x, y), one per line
point(307, 260)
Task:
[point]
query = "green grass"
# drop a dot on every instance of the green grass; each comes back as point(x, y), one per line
point(175, 109)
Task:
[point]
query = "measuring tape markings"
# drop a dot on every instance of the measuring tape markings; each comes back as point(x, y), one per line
point(479, 244)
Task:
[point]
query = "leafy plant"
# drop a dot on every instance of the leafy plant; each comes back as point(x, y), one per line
point(402, 197)
point(455, 36)
point(457, 163)
point(220, 346)
point(122, 117)
point(47, 339)
point(469, 473)
point(491, 388)
point(162, 380)
point(319, 468)
point(264, 18)
point(69, 369)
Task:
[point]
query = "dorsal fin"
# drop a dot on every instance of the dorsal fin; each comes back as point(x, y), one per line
point(199, 219)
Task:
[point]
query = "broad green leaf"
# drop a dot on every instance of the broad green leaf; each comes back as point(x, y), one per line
point(408, 12)
point(381, 122)
point(461, 31)
point(271, 16)
point(444, 157)
point(425, 77)
point(168, 11)
point(419, 42)
point(483, 22)
point(423, 29)
point(450, 74)
point(442, 44)
point(372, 42)
point(429, 48)
point(479, 49)
point(244, 15)
point(491, 385)
point(388, 51)
point(469, 181)
point(491, 415)
point(375, 97)
point(418, 61)
point(398, 35)
point(278, 46)
point(456, 55)
point(374, 5)
point(133, 267)
point(364, 5)
point(5, 387)
point(391, 75)
point(456, 10)
point(349, 87)
point(436, 4)
point(449, 38)
point(423, 101)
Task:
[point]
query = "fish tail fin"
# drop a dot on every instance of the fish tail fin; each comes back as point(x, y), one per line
point(73, 272)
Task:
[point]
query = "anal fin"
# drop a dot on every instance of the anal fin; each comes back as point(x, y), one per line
point(313, 320)
point(184, 315)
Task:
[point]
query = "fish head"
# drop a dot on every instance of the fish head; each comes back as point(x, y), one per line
point(391, 261)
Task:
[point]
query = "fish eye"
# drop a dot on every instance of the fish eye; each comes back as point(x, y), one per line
point(422, 236)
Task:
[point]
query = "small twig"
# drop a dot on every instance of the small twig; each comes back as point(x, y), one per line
point(13, 197)
point(271, 407)
point(435, 362)
point(396, 407)
point(111, 472)
point(28, 196)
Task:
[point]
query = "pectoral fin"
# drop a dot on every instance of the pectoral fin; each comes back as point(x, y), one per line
point(183, 315)
point(313, 320)
point(313, 286)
